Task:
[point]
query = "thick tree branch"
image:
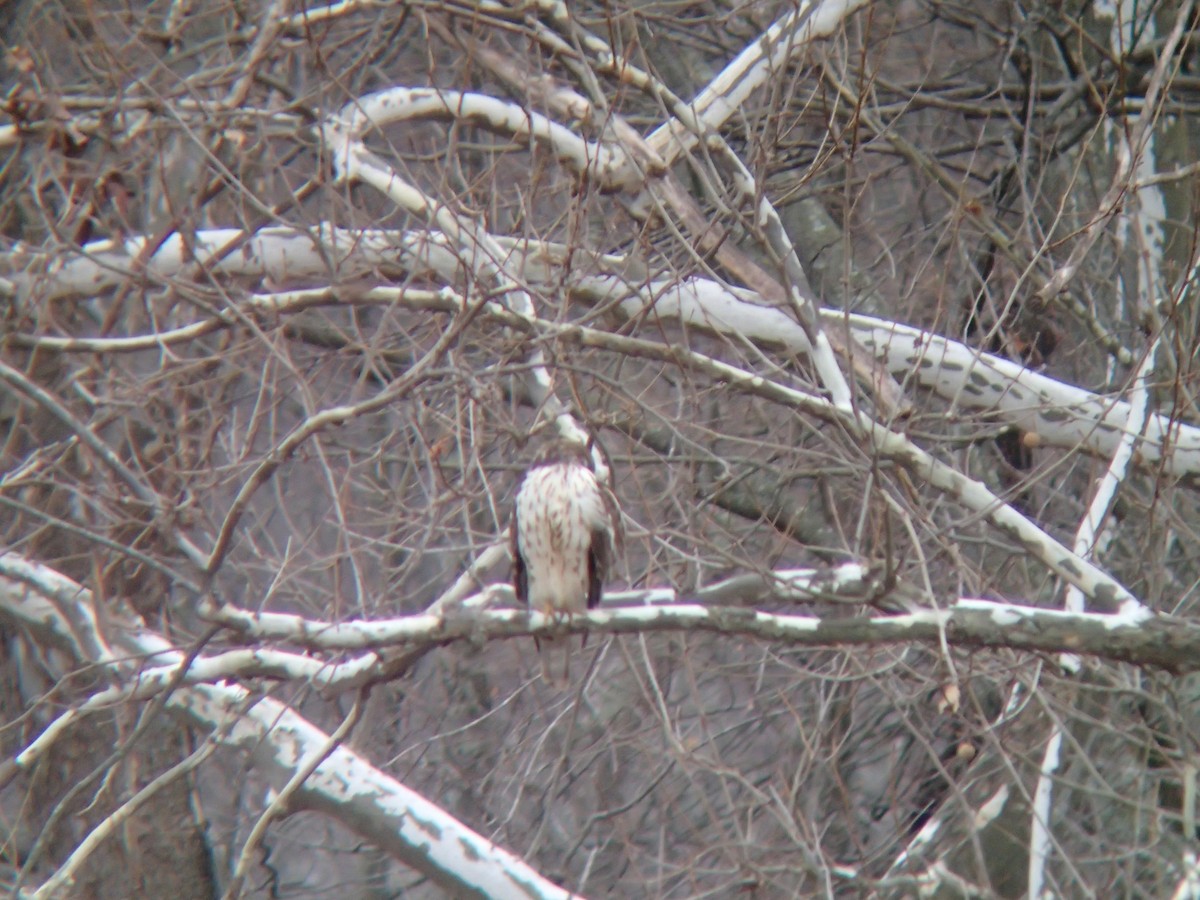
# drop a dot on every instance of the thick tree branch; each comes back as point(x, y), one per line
point(344, 786)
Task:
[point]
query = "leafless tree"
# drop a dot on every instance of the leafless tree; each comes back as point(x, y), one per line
point(881, 317)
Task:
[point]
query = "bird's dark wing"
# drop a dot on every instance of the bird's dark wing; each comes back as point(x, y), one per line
point(597, 568)
point(520, 575)
point(606, 541)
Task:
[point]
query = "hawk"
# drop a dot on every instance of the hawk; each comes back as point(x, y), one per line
point(565, 528)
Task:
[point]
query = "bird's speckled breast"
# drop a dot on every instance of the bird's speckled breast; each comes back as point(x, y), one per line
point(558, 508)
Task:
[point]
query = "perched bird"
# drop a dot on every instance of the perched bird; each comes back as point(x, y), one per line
point(565, 528)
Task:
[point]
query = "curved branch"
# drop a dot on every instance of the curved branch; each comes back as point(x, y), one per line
point(401, 104)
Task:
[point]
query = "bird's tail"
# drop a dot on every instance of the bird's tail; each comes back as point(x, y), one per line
point(555, 653)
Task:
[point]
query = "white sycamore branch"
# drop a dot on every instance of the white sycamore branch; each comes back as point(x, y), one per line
point(345, 787)
point(1052, 412)
point(762, 59)
point(968, 622)
point(1138, 637)
point(847, 583)
point(1147, 639)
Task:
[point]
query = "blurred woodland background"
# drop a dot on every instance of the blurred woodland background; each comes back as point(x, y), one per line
point(280, 329)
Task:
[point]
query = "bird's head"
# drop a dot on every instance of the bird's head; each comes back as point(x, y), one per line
point(564, 441)
point(558, 450)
